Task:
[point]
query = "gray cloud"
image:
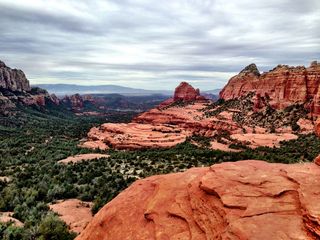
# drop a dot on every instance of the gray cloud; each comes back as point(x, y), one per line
point(151, 44)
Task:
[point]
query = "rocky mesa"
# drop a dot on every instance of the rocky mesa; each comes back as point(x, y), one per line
point(241, 200)
point(282, 86)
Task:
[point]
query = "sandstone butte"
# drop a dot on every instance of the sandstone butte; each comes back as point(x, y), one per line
point(283, 86)
point(235, 200)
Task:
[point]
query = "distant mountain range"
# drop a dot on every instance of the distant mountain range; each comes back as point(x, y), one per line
point(213, 92)
point(68, 89)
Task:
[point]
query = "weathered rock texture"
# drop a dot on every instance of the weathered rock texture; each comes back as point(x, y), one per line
point(13, 79)
point(135, 136)
point(183, 93)
point(75, 102)
point(240, 200)
point(283, 86)
point(15, 89)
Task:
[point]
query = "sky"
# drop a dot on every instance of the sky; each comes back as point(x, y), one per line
point(155, 44)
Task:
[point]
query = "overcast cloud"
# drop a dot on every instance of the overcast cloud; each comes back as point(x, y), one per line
point(155, 44)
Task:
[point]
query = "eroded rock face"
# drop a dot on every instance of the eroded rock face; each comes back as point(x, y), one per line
point(283, 85)
point(15, 89)
point(185, 92)
point(75, 102)
point(135, 136)
point(240, 200)
point(159, 128)
point(13, 79)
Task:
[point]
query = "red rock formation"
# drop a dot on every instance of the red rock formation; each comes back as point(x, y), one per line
point(13, 79)
point(240, 200)
point(283, 85)
point(135, 136)
point(317, 127)
point(74, 101)
point(15, 88)
point(185, 93)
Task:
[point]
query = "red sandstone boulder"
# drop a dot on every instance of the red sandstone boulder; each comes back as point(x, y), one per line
point(240, 200)
point(283, 85)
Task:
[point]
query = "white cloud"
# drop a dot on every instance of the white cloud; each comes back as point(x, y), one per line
point(155, 44)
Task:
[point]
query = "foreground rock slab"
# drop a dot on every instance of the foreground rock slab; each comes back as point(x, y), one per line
point(241, 200)
point(75, 213)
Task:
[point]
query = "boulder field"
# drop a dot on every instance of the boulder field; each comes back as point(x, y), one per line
point(234, 200)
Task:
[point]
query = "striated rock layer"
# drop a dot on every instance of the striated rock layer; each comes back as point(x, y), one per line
point(135, 136)
point(242, 200)
point(283, 86)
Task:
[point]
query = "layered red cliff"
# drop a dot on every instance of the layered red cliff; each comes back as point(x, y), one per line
point(240, 200)
point(283, 85)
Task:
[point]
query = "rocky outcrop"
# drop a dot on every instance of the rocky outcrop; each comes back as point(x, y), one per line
point(15, 89)
point(241, 200)
point(13, 79)
point(183, 93)
point(282, 86)
point(74, 102)
point(135, 136)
